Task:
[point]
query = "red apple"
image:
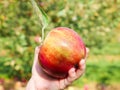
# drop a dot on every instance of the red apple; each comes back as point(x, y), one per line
point(61, 50)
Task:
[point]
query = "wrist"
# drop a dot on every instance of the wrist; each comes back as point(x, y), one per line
point(30, 85)
point(33, 85)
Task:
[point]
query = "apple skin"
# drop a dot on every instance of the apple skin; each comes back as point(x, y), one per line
point(61, 50)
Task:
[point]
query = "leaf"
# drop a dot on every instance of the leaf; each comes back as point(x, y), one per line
point(42, 16)
point(40, 13)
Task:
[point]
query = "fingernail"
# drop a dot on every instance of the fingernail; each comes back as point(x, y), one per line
point(72, 69)
point(82, 62)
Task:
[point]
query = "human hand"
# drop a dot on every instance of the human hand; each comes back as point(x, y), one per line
point(41, 81)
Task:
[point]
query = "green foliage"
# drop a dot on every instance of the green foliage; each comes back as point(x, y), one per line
point(94, 20)
point(18, 27)
point(16, 58)
point(109, 48)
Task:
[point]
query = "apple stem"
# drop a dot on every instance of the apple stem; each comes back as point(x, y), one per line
point(43, 33)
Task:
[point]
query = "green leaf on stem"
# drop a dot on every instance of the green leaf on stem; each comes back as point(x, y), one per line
point(42, 16)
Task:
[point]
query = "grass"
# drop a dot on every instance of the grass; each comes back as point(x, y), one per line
point(100, 70)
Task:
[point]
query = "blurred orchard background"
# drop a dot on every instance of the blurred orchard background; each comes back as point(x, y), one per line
point(96, 21)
